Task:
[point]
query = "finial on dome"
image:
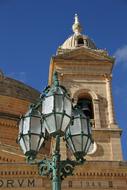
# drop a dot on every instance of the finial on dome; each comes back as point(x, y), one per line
point(76, 27)
point(76, 19)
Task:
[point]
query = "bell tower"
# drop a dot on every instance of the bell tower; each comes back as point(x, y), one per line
point(86, 72)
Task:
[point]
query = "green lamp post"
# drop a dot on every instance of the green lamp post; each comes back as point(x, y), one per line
point(58, 118)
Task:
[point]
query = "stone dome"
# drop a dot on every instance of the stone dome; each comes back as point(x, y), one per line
point(77, 39)
point(13, 88)
point(15, 97)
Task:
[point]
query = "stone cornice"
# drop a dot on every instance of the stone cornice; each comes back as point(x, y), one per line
point(106, 131)
point(9, 116)
point(82, 75)
point(103, 168)
point(82, 62)
point(20, 169)
point(8, 122)
point(101, 54)
point(90, 169)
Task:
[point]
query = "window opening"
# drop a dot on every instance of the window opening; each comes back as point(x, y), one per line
point(86, 106)
point(80, 41)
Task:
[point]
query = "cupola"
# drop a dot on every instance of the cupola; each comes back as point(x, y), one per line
point(77, 39)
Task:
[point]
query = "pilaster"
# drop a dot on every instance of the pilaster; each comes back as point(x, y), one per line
point(111, 116)
point(96, 113)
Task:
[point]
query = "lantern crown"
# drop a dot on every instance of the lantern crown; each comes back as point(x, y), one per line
point(56, 88)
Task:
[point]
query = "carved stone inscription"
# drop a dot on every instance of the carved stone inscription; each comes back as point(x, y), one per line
point(12, 183)
point(42, 183)
point(90, 184)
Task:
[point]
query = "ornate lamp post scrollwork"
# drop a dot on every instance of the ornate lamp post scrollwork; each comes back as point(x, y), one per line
point(58, 118)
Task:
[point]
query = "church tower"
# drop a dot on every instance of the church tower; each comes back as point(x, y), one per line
point(86, 72)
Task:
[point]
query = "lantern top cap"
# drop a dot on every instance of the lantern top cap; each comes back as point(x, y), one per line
point(56, 88)
point(55, 79)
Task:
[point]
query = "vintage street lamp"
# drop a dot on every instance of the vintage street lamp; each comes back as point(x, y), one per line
point(78, 134)
point(31, 133)
point(59, 119)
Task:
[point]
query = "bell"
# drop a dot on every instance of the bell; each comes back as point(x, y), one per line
point(85, 106)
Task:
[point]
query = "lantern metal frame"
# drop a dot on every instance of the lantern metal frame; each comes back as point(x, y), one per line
point(84, 132)
point(57, 92)
point(55, 168)
point(30, 154)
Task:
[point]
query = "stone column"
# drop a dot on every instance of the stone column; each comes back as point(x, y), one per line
point(110, 101)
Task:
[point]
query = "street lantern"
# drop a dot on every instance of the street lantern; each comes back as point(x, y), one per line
point(78, 134)
point(57, 118)
point(56, 108)
point(31, 132)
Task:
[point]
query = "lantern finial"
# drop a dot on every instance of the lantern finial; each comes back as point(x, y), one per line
point(55, 79)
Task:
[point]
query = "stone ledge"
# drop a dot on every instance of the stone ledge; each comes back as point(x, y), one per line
point(90, 168)
point(107, 130)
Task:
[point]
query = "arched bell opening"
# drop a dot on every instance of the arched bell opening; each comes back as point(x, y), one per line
point(86, 104)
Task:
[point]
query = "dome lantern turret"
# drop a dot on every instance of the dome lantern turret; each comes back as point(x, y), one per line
point(77, 39)
point(76, 27)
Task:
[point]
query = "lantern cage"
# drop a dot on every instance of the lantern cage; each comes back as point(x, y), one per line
point(56, 109)
point(31, 133)
point(78, 134)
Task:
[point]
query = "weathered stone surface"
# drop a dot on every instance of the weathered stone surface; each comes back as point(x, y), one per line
point(17, 89)
point(95, 175)
point(15, 97)
point(88, 72)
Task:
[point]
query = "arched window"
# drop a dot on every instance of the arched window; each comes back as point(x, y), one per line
point(85, 102)
point(80, 41)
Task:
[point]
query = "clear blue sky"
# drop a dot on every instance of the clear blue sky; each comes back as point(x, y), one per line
point(31, 31)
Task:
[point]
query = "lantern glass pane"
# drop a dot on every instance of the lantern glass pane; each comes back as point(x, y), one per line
point(40, 143)
point(85, 138)
point(65, 123)
point(34, 142)
point(70, 144)
point(26, 125)
point(76, 127)
point(90, 129)
point(27, 142)
point(36, 125)
point(58, 121)
point(67, 106)
point(50, 123)
point(44, 126)
point(59, 103)
point(48, 105)
point(88, 145)
point(77, 141)
point(21, 142)
point(84, 126)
